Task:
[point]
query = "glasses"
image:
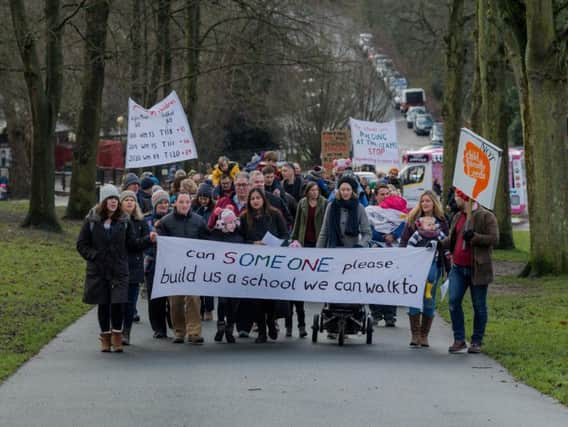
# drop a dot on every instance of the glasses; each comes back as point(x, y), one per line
point(241, 185)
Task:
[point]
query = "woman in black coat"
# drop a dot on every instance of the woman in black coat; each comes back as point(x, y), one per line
point(102, 243)
point(258, 218)
point(129, 206)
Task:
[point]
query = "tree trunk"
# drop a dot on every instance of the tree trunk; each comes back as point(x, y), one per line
point(192, 44)
point(157, 67)
point(453, 92)
point(19, 140)
point(492, 72)
point(547, 68)
point(83, 191)
point(136, 83)
point(475, 112)
point(167, 59)
point(44, 103)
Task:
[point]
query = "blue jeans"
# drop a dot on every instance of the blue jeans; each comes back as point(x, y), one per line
point(460, 280)
point(428, 305)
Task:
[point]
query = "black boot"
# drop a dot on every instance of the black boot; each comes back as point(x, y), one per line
point(229, 333)
point(126, 336)
point(220, 331)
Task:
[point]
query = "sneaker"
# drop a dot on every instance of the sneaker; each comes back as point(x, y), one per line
point(177, 340)
point(458, 347)
point(474, 348)
point(195, 339)
point(243, 334)
point(391, 323)
point(273, 333)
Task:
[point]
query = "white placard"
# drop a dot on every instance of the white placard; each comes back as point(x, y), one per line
point(159, 135)
point(391, 276)
point(374, 143)
point(477, 168)
point(270, 239)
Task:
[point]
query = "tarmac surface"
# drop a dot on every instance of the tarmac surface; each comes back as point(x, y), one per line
point(288, 382)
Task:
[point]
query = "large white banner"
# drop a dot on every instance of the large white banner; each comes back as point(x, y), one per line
point(374, 143)
point(391, 276)
point(477, 168)
point(159, 135)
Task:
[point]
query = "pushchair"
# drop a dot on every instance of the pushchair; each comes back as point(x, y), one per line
point(342, 320)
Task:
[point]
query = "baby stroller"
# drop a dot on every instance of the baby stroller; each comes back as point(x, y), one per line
point(343, 319)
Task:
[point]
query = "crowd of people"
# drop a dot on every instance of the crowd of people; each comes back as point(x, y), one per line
point(312, 210)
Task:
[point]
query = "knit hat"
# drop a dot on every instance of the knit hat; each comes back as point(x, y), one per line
point(147, 183)
point(461, 195)
point(349, 179)
point(156, 188)
point(130, 179)
point(159, 196)
point(126, 194)
point(108, 190)
point(205, 190)
point(180, 172)
point(394, 202)
point(226, 216)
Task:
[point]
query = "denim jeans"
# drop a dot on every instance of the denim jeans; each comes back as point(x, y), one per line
point(460, 280)
point(428, 305)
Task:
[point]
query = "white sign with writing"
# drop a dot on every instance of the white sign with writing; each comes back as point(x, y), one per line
point(391, 276)
point(158, 135)
point(477, 168)
point(374, 143)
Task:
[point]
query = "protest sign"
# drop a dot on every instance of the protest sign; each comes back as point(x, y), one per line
point(477, 168)
point(335, 144)
point(374, 143)
point(158, 135)
point(392, 276)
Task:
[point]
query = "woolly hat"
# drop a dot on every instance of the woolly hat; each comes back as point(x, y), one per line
point(159, 196)
point(205, 190)
point(349, 179)
point(130, 179)
point(126, 194)
point(226, 216)
point(180, 172)
point(461, 195)
point(156, 188)
point(317, 172)
point(108, 190)
point(394, 202)
point(147, 183)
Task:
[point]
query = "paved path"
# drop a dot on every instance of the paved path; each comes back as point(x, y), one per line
point(290, 382)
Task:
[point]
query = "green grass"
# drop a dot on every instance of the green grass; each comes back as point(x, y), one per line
point(527, 330)
point(41, 284)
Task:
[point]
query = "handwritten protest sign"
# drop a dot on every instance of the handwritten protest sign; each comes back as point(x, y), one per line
point(158, 135)
point(477, 168)
point(392, 276)
point(374, 143)
point(335, 144)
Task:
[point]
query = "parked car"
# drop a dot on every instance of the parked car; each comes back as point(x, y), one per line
point(411, 113)
point(437, 133)
point(422, 124)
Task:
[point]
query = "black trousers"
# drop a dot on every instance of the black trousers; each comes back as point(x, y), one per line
point(265, 315)
point(110, 315)
point(246, 314)
point(300, 312)
point(157, 308)
point(380, 312)
point(227, 310)
point(207, 304)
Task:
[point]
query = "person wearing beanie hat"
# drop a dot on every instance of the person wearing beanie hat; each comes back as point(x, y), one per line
point(317, 175)
point(203, 206)
point(156, 187)
point(103, 241)
point(141, 231)
point(226, 231)
point(147, 183)
point(157, 307)
point(144, 195)
point(131, 182)
point(350, 180)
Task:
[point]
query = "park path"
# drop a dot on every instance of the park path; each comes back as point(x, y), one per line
point(290, 382)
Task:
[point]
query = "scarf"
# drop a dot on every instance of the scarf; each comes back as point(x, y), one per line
point(352, 226)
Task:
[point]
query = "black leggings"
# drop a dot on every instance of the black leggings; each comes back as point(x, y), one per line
point(110, 313)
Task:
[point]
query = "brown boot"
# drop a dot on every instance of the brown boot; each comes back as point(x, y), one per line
point(415, 330)
point(104, 338)
point(425, 330)
point(116, 340)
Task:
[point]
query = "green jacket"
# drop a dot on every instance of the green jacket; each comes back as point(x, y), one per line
point(299, 231)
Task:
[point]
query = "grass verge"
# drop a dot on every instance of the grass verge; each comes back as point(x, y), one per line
point(41, 284)
point(527, 330)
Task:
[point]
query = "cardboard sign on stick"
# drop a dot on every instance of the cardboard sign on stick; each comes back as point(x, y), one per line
point(374, 143)
point(335, 144)
point(158, 135)
point(477, 168)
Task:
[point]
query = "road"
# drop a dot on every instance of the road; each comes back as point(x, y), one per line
point(290, 382)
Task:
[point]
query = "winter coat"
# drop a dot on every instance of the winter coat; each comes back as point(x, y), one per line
point(299, 231)
point(348, 241)
point(176, 225)
point(136, 255)
point(295, 189)
point(409, 230)
point(234, 237)
point(150, 252)
point(203, 211)
point(144, 201)
point(107, 259)
point(486, 235)
point(274, 222)
point(222, 203)
point(217, 173)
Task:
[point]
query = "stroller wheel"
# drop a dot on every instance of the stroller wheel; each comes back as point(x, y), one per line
point(369, 330)
point(315, 328)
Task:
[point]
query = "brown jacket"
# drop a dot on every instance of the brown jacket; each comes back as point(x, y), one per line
point(484, 225)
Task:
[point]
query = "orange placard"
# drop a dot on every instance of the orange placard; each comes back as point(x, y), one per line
point(335, 144)
point(476, 166)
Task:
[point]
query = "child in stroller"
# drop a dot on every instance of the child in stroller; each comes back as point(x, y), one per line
point(340, 320)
